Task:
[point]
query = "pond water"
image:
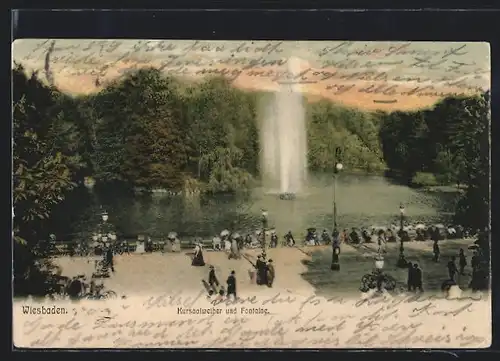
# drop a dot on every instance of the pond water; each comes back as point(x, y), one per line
point(361, 201)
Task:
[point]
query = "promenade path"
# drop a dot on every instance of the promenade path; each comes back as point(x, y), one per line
point(303, 270)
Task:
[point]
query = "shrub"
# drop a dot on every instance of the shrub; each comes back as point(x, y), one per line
point(423, 179)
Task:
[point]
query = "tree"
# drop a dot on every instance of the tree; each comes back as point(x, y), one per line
point(42, 168)
point(473, 140)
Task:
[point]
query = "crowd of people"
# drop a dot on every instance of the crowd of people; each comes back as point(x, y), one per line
point(264, 271)
point(380, 235)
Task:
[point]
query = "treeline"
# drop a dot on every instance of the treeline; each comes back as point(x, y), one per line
point(149, 130)
point(447, 144)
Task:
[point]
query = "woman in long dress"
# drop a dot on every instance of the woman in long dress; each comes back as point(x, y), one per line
point(235, 251)
point(198, 256)
point(176, 245)
point(227, 247)
point(168, 245)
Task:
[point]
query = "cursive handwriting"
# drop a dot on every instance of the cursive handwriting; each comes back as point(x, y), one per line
point(379, 69)
point(293, 320)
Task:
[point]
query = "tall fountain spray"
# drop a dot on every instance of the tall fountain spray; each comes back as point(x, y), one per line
point(284, 138)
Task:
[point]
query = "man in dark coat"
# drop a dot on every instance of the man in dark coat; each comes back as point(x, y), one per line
point(270, 273)
point(452, 268)
point(231, 285)
point(109, 259)
point(260, 265)
point(274, 240)
point(417, 278)
point(437, 252)
point(462, 261)
point(411, 278)
point(474, 262)
point(212, 278)
point(290, 241)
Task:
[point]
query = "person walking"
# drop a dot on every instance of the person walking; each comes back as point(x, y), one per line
point(417, 278)
point(234, 252)
point(290, 241)
point(231, 285)
point(109, 259)
point(274, 240)
point(212, 278)
point(261, 267)
point(436, 251)
point(452, 269)
point(410, 280)
point(270, 273)
point(462, 261)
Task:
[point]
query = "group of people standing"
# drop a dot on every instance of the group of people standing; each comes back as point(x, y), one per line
point(216, 287)
point(265, 272)
point(415, 282)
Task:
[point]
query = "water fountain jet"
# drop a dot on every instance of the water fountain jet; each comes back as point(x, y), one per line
point(284, 139)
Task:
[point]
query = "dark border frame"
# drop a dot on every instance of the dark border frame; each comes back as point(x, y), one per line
point(430, 25)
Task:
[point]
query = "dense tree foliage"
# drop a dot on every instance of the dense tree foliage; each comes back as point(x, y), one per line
point(447, 144)
point(44, 161)
point(149, 130)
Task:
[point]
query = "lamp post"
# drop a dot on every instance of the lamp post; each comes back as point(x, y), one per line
point(402, 215)
point(338, 167)
point(335, 258)
point(264, 226)
point(401, 260)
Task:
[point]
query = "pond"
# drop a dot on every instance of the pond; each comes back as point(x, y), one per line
point(361, 201)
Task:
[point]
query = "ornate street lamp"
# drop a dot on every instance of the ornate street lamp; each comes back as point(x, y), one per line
point(402, 263)
point(338, 167)
point(264, 226)
point(402, 215)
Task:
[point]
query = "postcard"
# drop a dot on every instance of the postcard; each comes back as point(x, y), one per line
point(251, 194)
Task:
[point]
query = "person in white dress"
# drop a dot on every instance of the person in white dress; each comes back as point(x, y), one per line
point(227, 246)
point(176, 245)
point(140, 249)
point(234, 250)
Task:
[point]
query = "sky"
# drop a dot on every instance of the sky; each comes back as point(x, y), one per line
point(367, 75)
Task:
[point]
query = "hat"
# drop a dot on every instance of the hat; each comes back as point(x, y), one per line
point(211, 267)
point(259, 256)
point(232, 272)
point(270, 260)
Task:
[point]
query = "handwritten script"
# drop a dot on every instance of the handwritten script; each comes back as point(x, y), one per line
point(390, 69)
point(281, 320)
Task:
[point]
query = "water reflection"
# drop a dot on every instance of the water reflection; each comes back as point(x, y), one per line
point(361, 201)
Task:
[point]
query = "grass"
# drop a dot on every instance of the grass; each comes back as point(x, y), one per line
point(356, 262)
